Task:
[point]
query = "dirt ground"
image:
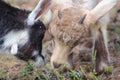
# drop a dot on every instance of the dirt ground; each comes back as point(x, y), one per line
point(12, 68)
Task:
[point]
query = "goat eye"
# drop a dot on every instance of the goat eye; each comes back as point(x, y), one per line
point(59, 14)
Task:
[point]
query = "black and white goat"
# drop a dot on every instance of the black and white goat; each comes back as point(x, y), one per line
point(21, 32)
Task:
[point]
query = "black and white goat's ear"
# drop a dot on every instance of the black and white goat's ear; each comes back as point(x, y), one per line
point(42, 7)
point(100, 10)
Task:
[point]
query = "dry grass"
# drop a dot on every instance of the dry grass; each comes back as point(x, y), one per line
point(10, 66)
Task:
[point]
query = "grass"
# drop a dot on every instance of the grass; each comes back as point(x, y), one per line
point(30, 72)
point(13, 69)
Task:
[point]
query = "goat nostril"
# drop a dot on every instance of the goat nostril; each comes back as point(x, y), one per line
point(56, 65)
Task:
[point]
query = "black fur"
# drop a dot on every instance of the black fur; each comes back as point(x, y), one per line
point(35, 42)
point(13, 19)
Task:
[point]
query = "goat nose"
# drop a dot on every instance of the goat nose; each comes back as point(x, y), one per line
point(56, 65)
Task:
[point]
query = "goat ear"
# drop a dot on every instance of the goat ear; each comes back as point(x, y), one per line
point(100, 10)
point(42, 7)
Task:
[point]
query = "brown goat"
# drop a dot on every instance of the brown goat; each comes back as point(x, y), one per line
point(71, 22)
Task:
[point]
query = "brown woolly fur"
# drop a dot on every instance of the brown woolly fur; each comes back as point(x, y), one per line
point(67, 29)
point(71, 24)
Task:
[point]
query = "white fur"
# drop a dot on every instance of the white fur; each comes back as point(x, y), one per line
point(33, 14)
point(35, 52)
point(15, 38)
point(14, 49)
point(30, 20)
point(39, 62)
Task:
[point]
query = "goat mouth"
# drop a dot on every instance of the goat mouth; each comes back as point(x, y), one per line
point(56, 65)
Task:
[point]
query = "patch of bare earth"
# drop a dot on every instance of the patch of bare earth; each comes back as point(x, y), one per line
point(10, 66)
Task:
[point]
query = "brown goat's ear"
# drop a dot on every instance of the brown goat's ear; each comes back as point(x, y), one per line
point(100, 10)
point(42, 7)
